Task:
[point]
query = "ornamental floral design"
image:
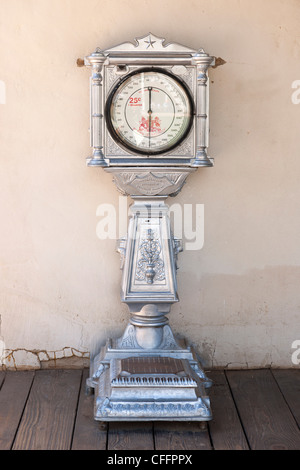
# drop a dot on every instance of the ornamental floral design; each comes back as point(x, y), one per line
point(150, 267)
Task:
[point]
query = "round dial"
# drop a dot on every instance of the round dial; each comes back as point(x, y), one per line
point(149, 112)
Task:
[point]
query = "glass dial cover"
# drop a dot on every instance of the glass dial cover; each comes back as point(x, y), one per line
point(150, 111)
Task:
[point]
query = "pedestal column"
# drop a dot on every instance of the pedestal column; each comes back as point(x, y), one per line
point(148, 373)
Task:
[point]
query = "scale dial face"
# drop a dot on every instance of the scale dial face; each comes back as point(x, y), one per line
point(149, 112)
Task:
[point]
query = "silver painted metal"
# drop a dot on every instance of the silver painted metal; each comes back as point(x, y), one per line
point(148, 373)
point(149, 181)
point(145, 215)
point(111, 65)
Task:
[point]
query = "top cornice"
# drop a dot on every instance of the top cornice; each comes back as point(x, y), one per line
point(147, 46)
point(151, 43)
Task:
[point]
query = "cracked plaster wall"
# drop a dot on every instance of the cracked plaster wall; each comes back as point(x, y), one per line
point(66, 357)
point(60, 284)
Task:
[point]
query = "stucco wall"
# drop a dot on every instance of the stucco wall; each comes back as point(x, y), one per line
point(59, 292)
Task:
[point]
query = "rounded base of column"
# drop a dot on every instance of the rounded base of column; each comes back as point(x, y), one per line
point(149, 323)
point(149, 337)
point(150, 315)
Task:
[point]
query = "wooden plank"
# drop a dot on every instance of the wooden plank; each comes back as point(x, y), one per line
point(130, 436)
point(13, 396)
point(88, 434)
point(48, 419)
point(226, 431)
point(181, 435)
point(266, 418)
point(2, 376)
point(289, 383)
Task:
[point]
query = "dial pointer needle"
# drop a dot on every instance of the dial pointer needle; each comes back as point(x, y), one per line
point(149, 113)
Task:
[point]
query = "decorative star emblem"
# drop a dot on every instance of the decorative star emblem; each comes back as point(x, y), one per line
point(150, 42)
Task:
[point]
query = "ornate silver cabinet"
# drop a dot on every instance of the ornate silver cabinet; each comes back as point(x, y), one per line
point(149, 129)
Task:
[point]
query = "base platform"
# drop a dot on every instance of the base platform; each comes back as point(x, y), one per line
point(149, 385)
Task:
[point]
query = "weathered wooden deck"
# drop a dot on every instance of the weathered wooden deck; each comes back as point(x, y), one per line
point(49, 410)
